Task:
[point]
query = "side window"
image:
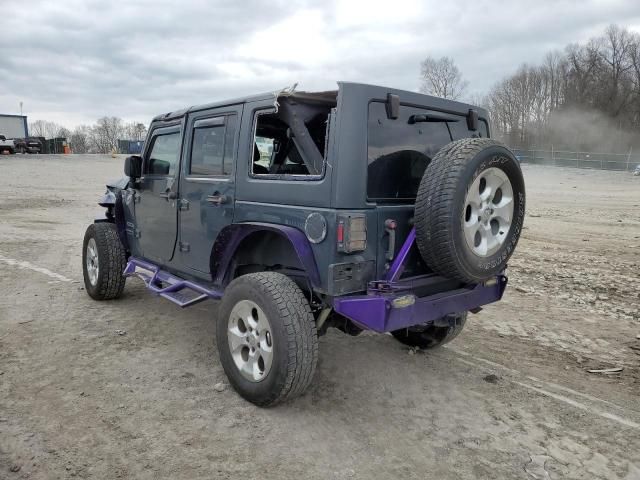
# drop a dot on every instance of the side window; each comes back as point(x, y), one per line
point(276, 152)
point(164, 154)
point(212, 146)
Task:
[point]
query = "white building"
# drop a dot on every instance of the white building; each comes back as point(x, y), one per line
point(13, 126)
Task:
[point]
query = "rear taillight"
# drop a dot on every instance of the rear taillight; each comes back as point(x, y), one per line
point(351, 233)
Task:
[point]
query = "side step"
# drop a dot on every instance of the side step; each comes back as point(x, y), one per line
point(183, 293)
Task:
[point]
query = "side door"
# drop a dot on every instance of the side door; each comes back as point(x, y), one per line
point(157, 192)
point(207, 188)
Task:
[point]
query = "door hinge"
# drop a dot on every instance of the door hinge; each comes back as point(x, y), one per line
point(183, 204)
point(184, 246)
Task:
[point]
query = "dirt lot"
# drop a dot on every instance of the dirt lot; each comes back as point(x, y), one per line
point(510, 398)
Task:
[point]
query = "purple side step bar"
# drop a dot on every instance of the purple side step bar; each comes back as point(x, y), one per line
point(169, 286)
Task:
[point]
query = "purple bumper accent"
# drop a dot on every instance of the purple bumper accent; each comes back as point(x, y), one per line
point(397, 267)
point(385, 312)
point(181, 292)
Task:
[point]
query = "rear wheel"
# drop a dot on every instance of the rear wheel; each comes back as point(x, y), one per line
point(266, 337)
point(103, 262)
point(431, 336)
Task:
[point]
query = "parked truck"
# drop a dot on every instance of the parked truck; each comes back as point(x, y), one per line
point(7, 146)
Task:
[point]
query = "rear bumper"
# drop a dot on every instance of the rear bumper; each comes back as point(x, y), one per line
point(387, 311)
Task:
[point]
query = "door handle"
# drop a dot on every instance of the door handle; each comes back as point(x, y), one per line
point(169, 195)
point(217, 199)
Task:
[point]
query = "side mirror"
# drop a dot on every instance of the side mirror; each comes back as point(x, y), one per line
point(133, 166)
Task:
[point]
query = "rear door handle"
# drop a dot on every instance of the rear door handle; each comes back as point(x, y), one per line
point(217, 199)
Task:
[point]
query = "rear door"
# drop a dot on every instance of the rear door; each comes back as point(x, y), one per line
point(399, 151)
point(207, 187)
point(156, 212)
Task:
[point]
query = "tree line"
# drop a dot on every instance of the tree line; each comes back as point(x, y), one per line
point(102, 137)
point(585, 97)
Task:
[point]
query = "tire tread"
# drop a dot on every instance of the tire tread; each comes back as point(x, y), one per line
point(435, 206)
point(300, 330)
point(112, 260)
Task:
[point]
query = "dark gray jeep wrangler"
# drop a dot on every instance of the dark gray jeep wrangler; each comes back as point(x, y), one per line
point(362, 208)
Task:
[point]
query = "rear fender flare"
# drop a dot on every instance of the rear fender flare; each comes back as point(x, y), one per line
point(231, 237)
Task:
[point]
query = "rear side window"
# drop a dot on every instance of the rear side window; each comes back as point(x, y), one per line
point(212, 146)
point(278, 152)
point(164, 154)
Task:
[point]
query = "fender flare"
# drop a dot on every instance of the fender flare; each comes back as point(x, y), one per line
point(113, 200)
point(108, 199)
point(232, 235)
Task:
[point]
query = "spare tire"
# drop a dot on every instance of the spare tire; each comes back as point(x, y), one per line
point(470, 209)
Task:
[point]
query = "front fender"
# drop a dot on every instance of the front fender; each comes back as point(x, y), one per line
point(112, 201)
point(231, 236)
point(108, 199)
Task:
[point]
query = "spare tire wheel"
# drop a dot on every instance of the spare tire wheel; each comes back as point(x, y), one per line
point(470, 209)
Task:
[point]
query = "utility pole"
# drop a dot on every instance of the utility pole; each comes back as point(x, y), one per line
point(20, 108)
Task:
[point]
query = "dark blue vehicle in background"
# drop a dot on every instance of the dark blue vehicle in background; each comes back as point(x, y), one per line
point(361, 208)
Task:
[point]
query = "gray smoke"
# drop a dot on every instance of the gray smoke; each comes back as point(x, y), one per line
point(589, 131)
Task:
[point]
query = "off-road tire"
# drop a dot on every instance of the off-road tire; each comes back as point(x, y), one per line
point(295, 339)
point(440, 206)
point(431, 336)
point(112, 260)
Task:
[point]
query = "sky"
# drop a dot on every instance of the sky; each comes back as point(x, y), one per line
point(73, 61)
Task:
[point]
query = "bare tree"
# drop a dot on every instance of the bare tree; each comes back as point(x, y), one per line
point(80, 139)
point(44, 128)
point(477, 99)
point(106, 133)
point(102, 137)
point(63, 132)
point(617, 53)
point(585, 97)
point(135, 131)
point(442, 78)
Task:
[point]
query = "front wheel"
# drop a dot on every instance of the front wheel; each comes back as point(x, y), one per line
point(267, 338)
point(103, 262)
point(434, 335)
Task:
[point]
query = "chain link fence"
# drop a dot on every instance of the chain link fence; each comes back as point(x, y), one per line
point(625, 162)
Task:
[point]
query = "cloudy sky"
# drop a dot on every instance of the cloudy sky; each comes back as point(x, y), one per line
point(72, 61)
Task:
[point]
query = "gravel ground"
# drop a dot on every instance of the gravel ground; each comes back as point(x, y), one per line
point(510, 398)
